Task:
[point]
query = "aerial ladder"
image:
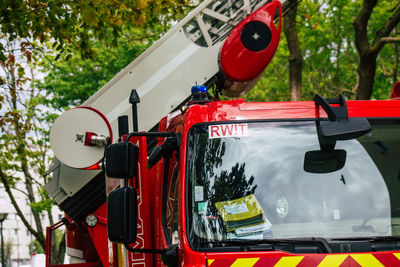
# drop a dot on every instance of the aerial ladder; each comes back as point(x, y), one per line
point(201, 49)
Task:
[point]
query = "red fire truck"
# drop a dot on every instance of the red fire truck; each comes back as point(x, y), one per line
point(224, 183)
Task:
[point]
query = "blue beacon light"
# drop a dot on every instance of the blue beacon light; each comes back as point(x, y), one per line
point(199, 94)
point(199, 89)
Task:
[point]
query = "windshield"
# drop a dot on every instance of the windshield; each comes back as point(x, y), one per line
point(248, 181)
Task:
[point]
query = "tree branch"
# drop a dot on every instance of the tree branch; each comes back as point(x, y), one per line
point(39, 236)
point(390, 24)
point(360, 26)
point(31, 195)
point(390, 39)
point(19, 190)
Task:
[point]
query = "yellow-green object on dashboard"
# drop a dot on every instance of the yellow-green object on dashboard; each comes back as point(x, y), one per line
point(241, 212)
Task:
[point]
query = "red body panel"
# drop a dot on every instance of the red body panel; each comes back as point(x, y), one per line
point(90, 243)
point(98, 234)
point(147, 209)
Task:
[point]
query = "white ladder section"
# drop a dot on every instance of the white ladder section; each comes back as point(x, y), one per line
point(164, 73)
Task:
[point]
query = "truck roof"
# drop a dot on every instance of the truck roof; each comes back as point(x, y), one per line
point(239, 110)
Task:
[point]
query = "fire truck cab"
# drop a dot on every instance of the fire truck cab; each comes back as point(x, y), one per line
point(264, 184)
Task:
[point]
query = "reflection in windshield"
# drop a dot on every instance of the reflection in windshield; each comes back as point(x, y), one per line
point(255, 186)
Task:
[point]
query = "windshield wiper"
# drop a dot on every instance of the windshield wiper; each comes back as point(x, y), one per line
point(243, 244)
point(368, 238)
point(317, 241)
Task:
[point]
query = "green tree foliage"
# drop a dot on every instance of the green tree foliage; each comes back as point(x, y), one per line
point(68, 22)
point(70, 82)
point(23, 138)
point(35, 34)
point(331, 59)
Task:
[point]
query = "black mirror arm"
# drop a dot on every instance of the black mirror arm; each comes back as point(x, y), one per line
point(325, 144)
point(320, 101)
point(334, 113)
point(170, 144)
point(150, 134)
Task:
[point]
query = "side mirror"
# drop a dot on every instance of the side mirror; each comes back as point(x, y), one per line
point(122, 215)
point(122, 160)
point(324, 161)
point(345, 129)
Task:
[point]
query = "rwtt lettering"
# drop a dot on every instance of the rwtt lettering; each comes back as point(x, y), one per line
point(227, 130)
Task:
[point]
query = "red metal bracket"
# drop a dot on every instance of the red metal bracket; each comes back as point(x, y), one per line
point(70, 224)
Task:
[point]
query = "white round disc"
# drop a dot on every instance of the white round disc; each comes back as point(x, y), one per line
point(67, 137)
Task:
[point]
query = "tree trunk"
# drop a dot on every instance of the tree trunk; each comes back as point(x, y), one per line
point(295, 57)
point(366, 73)
point(368, 51)
point(36, 215)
